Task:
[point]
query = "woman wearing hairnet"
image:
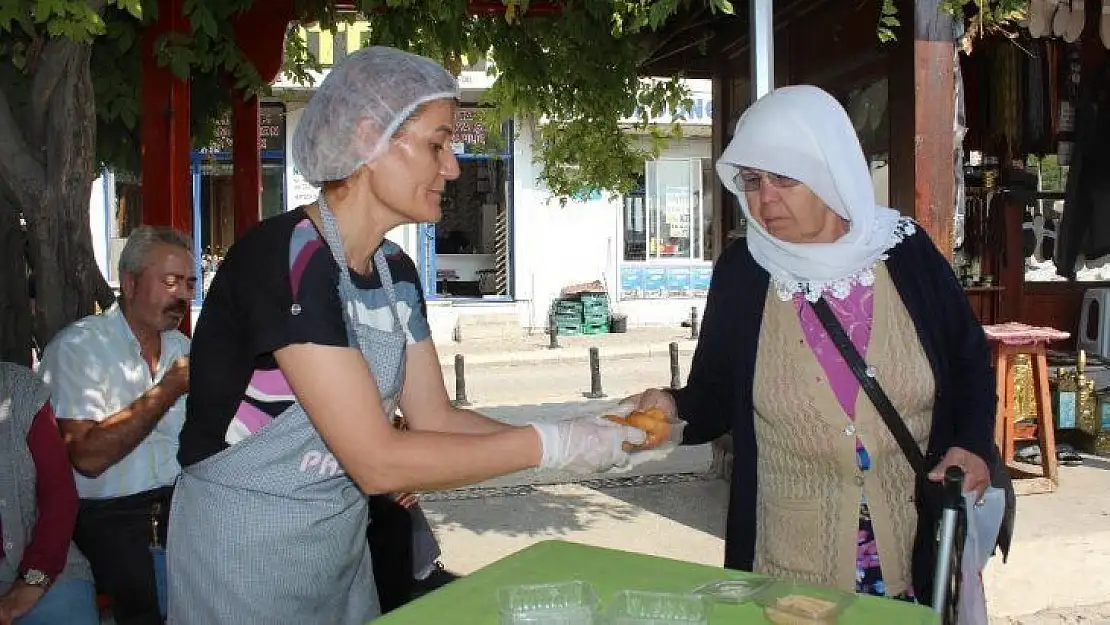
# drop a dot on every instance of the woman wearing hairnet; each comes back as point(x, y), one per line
point(821, 491)
point(313, 334)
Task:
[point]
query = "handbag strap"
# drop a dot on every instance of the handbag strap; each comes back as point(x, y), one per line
point(871, 386)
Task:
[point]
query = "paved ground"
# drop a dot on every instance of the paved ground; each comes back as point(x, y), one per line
point(652, 340)
point(546, 383)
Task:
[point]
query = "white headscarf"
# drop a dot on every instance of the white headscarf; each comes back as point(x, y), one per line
point(803, 132)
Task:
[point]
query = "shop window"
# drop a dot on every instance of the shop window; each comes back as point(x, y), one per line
point(668, 220)
point(314, 44)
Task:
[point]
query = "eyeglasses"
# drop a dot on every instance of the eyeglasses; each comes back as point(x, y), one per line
point(752, 179)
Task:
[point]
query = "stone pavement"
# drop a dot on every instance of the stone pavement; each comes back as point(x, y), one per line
point(637, 342)
point(1058, 572)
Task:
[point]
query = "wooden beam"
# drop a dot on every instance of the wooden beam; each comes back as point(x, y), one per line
point(246, 163)
point(165, 139)
point(922, 105)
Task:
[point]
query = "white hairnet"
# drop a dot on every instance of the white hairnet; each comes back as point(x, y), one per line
point(383, 86)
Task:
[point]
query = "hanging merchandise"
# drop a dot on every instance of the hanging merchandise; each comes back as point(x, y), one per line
point(1085, 227)
point(1104, 24)
point(1052, 85)
point(1036, 115)
point(1069, 96)
point(1062, 18)
point(1076, 20)
point(1039, 18)
point(1005, 101)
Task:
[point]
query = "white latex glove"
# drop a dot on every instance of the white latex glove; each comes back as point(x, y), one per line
point(585, 444)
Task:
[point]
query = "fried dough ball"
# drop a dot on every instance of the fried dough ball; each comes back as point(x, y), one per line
point(654, 424)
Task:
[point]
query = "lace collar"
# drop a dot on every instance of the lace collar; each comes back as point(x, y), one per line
point(840, 288)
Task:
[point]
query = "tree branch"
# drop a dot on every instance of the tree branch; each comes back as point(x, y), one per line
point(24, 175)
point(48, 74)
point(49, 71)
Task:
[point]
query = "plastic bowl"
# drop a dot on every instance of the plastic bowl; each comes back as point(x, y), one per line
point(566, 603)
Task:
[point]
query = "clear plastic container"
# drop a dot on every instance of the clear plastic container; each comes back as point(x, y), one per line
point(733, 590)
point(566, 603)
point(787, 603)
point(634, 607)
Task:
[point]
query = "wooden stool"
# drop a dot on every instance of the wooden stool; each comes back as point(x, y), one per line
point(1011, 340)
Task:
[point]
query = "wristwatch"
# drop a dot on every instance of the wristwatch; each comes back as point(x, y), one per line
point(35, 577)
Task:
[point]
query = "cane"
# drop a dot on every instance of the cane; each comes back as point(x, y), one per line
point(949, 539)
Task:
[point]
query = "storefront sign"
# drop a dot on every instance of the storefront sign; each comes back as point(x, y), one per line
point(699, 280)
point(632, 282)
point(271, 131)
point(470, 132)
point(679, 281)
point(700, 112)
point(655, 282)
point(300, 191)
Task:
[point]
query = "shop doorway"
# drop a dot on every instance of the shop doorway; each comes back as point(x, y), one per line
point(468, 254)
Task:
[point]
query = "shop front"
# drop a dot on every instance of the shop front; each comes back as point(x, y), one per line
point(468, 255)
point(213, 189)
point(666, 262)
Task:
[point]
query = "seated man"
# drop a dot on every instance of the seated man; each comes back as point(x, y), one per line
point(44, 580)
point(118, 382)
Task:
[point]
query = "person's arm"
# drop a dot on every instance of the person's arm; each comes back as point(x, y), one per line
point(96, 445)
point(972, 379)
point(424, 399)
point(706, 401)
point(328, 381)
point(55, 498)
point(56, 508)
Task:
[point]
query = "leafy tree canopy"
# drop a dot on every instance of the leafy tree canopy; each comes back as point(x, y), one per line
point(577, 70)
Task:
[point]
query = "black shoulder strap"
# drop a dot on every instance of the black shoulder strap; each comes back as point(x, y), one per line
point(871, 386)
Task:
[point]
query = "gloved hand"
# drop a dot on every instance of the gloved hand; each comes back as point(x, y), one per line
point(585, 444)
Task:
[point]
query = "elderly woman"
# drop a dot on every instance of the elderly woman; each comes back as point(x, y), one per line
point(313, 334)
point(44, 580)
point(821, 491)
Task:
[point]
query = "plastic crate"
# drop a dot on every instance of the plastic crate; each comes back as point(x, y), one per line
point(596, 328)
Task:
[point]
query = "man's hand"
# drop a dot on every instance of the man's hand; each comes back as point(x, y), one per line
point(406, 500)
point(176, 379)
point(18, 601)
point(977, 476)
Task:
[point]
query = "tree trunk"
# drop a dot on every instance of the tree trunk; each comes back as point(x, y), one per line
point(48, 166)
point(15, 305)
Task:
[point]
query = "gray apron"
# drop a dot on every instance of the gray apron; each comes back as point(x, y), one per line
point(271, 530)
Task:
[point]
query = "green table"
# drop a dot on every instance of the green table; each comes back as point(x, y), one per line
point(473, 599)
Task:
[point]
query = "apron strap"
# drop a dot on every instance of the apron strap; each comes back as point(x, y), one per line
point(348, 294)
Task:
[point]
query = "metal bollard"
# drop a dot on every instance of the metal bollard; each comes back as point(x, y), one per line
point(694, 322)
point(552, 332)
point(460, 382)
point(595, 375)
point(676, 378)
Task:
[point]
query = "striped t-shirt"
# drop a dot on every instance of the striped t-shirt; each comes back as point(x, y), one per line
point(278, 286)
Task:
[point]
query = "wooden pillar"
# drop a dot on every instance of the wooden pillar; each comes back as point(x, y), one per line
point(260, 33)
point(922, 116)
point(247, 163)
point(165, 132)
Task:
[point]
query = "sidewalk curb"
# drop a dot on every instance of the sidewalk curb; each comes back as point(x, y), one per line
point(576, 353)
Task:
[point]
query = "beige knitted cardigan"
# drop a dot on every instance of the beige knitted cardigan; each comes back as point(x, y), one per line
point(809, 483)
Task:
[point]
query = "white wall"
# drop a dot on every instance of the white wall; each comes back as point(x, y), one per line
point(98, 223)
point(555, 245)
